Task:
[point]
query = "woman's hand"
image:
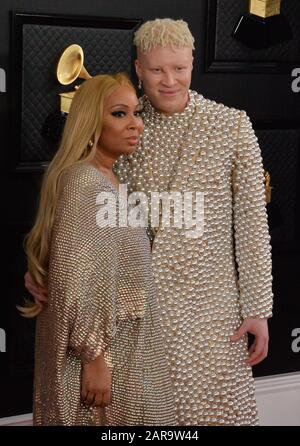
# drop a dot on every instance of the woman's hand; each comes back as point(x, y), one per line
point(96, 383)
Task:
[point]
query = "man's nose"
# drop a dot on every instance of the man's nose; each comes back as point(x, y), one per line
point(169, 79)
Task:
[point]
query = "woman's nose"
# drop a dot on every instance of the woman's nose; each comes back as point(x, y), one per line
point(135, 122)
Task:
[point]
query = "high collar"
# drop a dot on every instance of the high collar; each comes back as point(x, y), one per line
point(152, 114)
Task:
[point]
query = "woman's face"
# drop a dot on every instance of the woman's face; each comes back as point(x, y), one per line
point(122, 123)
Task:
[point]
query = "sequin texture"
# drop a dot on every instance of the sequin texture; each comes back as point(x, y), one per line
point(101, 298)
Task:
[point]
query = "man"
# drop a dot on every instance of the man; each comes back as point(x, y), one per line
point(217, 286)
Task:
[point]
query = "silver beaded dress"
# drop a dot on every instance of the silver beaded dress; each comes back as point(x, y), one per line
point(101, 298)
point(208, 284)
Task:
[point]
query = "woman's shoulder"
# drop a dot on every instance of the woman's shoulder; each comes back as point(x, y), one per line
point(81, 176)
point(82, 182)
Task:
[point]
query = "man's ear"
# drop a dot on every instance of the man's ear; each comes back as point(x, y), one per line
point(138, 69)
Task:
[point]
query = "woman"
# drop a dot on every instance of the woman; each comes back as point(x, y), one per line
point(99, 355)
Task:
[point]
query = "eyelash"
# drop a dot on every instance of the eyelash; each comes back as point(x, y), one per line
point(120, 114)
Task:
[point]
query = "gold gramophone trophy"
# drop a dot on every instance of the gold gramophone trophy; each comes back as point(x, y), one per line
point(263, 26)
point(69, 68)
point(268, 186)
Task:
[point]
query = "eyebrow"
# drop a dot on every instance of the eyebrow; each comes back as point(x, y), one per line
point(123, 105)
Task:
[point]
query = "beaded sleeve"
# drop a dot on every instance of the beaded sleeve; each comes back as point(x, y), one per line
point(252, 239)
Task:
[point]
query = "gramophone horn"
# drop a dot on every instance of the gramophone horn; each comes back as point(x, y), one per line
point(70, 65)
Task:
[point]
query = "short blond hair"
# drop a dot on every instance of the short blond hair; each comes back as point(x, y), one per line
point(162, 33)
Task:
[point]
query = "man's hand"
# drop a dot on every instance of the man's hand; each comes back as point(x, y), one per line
point(39, 293)
point(259, 349)
point(96, 383)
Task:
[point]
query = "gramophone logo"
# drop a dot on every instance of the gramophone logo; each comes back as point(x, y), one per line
point(69, 68)
point(2, 81)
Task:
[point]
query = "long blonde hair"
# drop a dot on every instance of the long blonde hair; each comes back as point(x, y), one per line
point(83, 125)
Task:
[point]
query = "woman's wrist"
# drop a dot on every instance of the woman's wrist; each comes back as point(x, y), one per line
point(98, 362)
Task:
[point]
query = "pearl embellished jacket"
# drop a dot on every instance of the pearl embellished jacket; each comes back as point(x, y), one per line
point(207, 285)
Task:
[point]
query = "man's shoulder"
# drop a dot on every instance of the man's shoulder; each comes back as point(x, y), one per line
point(217, 108)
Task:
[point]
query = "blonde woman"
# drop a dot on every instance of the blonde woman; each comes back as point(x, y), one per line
point(99, 355)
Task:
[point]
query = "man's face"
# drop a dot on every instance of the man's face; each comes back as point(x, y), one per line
point(166, 74)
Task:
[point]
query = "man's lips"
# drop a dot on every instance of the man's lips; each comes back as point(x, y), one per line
point(169, 92)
